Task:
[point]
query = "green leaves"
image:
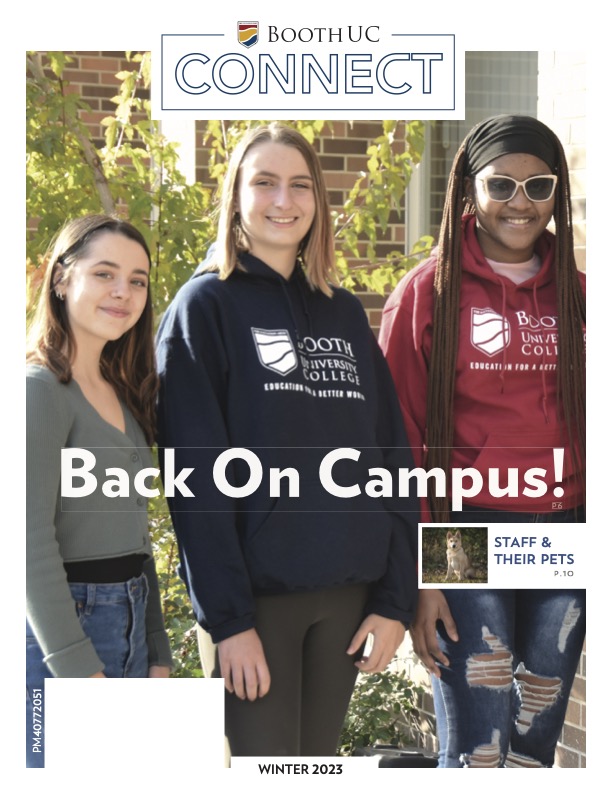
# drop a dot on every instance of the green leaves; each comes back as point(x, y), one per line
point(134, 171)
point(367, 212)
point(178, 615)
point(381, 711)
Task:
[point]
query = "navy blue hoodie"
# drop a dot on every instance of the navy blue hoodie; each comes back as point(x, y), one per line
point(271, 365)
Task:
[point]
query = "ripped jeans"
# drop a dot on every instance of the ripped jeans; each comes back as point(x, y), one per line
point(502, 701)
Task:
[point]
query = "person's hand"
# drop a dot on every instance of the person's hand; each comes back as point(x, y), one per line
point(432, 605)
point(243, 665)
point(159, 672)
point(388, 635)
point(98, 675)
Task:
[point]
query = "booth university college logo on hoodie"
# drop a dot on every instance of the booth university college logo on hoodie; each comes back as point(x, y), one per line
point(490, 331)
point(275, 350)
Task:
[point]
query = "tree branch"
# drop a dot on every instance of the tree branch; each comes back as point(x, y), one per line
point(88, 149)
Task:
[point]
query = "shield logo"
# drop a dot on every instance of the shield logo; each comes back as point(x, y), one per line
point(248, 33)
point(490, 331)
point(275, 350)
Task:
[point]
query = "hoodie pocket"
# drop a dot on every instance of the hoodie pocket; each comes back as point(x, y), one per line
point(317, 540)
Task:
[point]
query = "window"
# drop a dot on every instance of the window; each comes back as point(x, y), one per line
point(495, 82)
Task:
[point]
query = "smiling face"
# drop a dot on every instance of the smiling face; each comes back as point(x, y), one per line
point(276, 203)
point(507, 232)
point(106, 289)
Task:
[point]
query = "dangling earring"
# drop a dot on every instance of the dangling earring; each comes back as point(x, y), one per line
point(238, 233)
point(59, 295)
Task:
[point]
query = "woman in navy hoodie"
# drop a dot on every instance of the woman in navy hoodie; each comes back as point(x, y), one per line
point(261, 353)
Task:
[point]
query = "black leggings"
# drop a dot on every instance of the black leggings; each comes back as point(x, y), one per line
point(305, 636)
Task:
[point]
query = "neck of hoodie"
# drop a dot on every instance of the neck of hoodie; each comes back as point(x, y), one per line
point(256, 266)
point(475, 262)
point(517, 272)
point(283, 262)
point(296, 291)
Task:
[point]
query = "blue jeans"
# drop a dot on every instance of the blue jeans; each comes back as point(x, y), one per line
point(113, 616)
point(502, 700)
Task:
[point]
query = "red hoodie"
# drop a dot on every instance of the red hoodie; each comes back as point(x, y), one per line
point(506, 411)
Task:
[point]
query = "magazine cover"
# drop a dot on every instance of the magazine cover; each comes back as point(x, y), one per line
point(306, 397)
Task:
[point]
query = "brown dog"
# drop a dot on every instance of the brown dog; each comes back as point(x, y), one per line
point(458, 561)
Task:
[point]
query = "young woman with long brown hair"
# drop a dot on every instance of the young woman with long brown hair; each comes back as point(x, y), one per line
point(93, 606)
point(485, 342)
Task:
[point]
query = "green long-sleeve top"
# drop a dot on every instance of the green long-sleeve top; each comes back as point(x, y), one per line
point(78, 529)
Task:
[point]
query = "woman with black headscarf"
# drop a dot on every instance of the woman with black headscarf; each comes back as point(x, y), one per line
point(486, 345)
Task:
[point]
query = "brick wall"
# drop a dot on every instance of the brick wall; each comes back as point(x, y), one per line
point(93, 76)
point(342, 149)
point(562, 105)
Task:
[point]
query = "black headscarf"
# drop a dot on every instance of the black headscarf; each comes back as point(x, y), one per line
point(509, 134)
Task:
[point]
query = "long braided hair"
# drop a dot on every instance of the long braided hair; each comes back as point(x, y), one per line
point(571, 306)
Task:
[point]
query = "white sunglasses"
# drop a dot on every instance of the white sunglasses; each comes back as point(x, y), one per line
point(504, 188)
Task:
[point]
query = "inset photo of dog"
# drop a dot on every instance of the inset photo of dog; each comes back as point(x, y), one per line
point(458, 561)
point(454, 555)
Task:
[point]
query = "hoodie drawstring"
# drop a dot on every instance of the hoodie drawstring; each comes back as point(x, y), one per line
point(544, 399)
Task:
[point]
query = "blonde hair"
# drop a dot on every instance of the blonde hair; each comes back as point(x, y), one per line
point(316, 248)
